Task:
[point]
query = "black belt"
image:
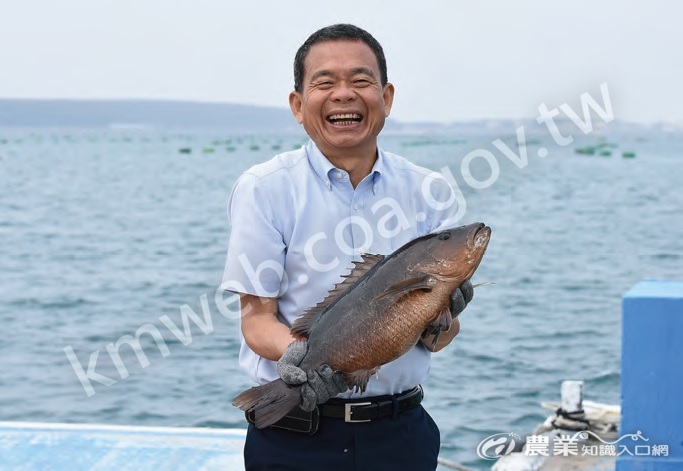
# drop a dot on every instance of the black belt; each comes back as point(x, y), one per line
point(351, 411)
point(365, 411)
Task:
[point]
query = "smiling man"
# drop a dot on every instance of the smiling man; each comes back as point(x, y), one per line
point(298, 224)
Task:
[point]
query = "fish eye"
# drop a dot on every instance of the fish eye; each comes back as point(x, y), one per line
point(444, 236)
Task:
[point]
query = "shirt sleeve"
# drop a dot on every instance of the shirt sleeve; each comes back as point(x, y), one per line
point(256, 251)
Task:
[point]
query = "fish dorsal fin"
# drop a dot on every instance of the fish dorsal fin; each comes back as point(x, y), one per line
point(419, 282)
point(371, 259)
point(358, 271)
point(303, 325)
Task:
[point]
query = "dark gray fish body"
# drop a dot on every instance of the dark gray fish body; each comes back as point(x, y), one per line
point(378, 313)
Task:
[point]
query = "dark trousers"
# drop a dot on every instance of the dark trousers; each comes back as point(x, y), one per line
point(408, 441)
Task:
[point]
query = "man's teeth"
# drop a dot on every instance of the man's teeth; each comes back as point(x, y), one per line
point(345, 116)
point(345, 119)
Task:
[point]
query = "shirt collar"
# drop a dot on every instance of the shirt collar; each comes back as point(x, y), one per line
point(324, 167)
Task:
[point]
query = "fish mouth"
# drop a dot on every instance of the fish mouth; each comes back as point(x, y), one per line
point(479, 237)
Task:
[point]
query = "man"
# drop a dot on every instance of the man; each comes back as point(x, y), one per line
point(298, 222)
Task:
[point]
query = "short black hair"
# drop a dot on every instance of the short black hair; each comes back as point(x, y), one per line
point(337, 32)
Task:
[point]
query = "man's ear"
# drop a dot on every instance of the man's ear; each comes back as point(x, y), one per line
point(388, 98)
point(295, 104)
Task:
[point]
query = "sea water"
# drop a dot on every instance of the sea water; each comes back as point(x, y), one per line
point(109, 233)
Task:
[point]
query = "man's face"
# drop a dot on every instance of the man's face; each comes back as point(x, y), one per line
point(343, 104)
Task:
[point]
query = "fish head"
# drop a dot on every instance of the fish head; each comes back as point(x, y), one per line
point(453, 255)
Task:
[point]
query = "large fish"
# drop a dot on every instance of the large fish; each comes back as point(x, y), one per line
point(377, 314)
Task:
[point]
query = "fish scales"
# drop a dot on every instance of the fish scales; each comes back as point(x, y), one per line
point(377, 314)
point(390, 333)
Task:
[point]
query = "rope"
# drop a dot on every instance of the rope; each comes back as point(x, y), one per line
point(570, 420)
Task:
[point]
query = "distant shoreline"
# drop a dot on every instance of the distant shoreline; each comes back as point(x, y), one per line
point(140, 115)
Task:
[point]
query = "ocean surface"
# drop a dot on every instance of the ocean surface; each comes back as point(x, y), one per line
point(105, 233)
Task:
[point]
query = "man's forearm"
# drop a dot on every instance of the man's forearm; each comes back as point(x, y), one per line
point(262, 331)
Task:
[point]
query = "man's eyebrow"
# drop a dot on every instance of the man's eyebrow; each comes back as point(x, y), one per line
point(320, 73)
point(363, 70)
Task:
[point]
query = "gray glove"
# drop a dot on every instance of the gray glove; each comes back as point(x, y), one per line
point(288, 365)
point(460, 298)
point(317, 386)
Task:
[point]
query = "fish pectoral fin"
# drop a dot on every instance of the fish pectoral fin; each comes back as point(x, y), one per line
point(358, 380)
point(421, 282)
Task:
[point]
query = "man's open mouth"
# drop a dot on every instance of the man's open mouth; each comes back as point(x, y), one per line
point(345, 119)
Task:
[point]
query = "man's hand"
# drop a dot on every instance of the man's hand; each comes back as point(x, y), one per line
point(460, 298)
point(318, 385)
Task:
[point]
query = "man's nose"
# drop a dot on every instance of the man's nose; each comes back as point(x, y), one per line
point(343, 93)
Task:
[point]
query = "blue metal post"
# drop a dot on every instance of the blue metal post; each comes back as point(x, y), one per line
point(652, 378)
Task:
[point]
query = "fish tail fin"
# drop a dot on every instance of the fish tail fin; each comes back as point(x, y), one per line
point(270, 402)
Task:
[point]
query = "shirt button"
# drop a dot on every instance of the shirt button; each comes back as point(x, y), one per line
point(339, 175)
point(355, 207)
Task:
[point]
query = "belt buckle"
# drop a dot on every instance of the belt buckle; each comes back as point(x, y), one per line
point(348, 412)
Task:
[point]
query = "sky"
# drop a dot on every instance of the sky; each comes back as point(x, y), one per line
point(449, 60)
